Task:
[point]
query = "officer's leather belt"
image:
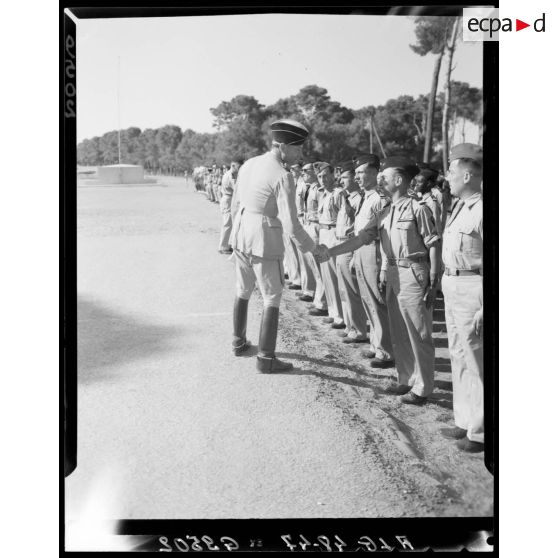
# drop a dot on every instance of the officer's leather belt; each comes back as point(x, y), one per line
point(458, 272)
point(329, 227)
point(404, 262)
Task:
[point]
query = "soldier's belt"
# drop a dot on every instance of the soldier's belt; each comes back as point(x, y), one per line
point(350, 235)
point(312, 220)
point(405, 262)
point(457, 272)
point(329, 227)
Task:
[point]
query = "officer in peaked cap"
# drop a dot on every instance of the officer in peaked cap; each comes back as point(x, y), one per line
point(266, 207)
point(463, 295)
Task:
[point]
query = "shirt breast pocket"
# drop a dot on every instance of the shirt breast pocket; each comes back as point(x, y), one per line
point(469, 243)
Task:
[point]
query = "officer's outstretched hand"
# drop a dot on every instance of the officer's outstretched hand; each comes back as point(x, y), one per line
point(322, 253)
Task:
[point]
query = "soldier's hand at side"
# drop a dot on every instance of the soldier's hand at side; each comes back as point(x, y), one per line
point(380, 288)
point(382, 280)
point(478, 321)
point(430, 292)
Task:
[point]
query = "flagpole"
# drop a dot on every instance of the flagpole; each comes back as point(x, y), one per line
point(118, 104)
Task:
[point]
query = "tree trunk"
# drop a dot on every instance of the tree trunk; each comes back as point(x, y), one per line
point(453, 126)
point(447, 96)
point(431, 107)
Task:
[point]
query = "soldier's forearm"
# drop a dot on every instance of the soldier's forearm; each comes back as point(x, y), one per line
point(348, 246)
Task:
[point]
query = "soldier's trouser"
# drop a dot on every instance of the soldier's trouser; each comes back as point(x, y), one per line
point(293, 265)
point(367, 268)
point(217, 192)
point(268, 274)
point(226, 228)
point(353, 310)
point(329, 277)
point(463, 299)
point(209, 192)
point(307, 281)
point(313, 229)
point(411, 326)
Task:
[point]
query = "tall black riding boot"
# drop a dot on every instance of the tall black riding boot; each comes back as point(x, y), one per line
point(240, 317)
point(266, 361)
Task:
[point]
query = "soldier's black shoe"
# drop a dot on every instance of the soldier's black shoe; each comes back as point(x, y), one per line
point(239, 349)
point(269, 365)
point(367, 353)
point(350, 339)
point(327, 320)
point(340, 325)
point(469, 446)
point(317, 312)
point(294, 287)
point(455, 433)
point(380, 363)
point(412, 398)
point(397, 389)
point(305, 298)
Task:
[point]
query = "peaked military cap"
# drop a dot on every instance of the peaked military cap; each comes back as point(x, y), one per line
point(364, 158)
point(289, 132)
point(466, 151)
point(346, 166)
point(400, 162)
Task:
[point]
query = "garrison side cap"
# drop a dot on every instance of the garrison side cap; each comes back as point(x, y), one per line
point(364, 158)
point(346, 166)
point(322, 166)
point(466, 151)
point(400, 162)
point(289, 132)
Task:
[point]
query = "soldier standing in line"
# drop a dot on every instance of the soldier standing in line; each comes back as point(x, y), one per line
point(227, 189)
point(328, 209)
point(367, 260)
point(425, 182)
point(463, 296)
point(266, 190)
point(351, 301)
point(314, 194)
point(307, 281)
point(409, 244)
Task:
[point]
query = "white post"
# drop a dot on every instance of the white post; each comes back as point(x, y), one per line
point(118, 105)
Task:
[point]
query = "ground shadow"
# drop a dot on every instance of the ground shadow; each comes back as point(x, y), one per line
point(339, 379)
point(441, 400)
point(323, 362)
point(441, 342)
point(442, 364)
point(107, 338)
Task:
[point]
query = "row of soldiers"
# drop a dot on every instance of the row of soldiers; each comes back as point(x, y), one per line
point(367, 243)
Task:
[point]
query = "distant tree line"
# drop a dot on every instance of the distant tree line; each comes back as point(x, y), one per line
point(422, 127)
point(242, 126)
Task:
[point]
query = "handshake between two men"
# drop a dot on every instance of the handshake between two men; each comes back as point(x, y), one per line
point(321, 253)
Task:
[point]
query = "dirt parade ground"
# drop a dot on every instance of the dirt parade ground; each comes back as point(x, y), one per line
point(172, 425)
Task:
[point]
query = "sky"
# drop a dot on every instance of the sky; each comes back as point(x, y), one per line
point(173, 70)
